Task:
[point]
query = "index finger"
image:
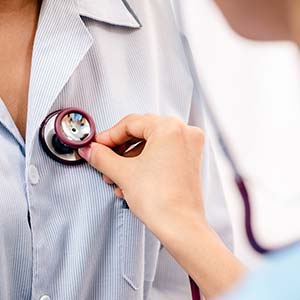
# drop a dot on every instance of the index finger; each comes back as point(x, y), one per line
point(132, 127)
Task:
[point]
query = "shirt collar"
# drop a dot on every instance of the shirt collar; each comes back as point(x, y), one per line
point(115, 12)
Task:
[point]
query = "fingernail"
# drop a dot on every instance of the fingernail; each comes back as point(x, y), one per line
point(85, 152)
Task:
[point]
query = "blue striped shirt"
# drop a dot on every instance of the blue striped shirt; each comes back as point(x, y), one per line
point(110, 58)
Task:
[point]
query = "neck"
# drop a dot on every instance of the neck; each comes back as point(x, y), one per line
point(10, 6)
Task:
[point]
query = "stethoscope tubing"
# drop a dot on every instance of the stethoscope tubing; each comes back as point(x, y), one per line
point(196, 295)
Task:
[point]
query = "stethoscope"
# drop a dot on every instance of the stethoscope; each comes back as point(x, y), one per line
point(64, 131)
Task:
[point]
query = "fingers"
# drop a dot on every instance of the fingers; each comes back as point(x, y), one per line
point(119, 193)
point(132, 153)
point(135, 151)
point(135, 127)
point(106, 161)
point(107, 180)
point(197, 136)
point(121, 149)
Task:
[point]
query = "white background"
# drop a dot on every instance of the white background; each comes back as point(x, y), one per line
point(255, 91)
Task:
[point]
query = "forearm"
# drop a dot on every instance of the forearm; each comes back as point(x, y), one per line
point(199, 250)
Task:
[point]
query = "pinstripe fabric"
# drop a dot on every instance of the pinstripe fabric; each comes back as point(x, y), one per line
point(83, 244)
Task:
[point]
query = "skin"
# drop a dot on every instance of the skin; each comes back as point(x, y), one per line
point(164, 188)
point(267, 20)
point(18, 23)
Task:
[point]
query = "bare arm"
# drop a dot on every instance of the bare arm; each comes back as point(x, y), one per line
point(200, 251)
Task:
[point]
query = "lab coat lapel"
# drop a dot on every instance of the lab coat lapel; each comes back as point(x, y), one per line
point(115, 12)
point(60, 44)
point(62, 40)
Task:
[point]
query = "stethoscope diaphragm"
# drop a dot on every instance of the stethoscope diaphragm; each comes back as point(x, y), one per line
point(64, 131)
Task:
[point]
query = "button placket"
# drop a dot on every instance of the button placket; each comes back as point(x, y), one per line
point(33, 175)
point(45, 297)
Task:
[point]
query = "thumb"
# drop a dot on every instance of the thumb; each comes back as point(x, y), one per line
point(106, 161)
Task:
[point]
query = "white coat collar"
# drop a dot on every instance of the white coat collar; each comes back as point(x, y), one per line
point(115, 12)
point(61, 42)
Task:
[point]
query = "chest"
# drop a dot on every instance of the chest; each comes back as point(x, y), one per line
point(16, 42)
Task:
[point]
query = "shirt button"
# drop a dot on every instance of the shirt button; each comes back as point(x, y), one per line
point(34, 177)
point(45, 297)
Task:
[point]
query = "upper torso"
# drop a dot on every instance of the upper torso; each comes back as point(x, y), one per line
point(83, 244)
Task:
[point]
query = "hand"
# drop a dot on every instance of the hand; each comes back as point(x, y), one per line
point(161, 184)
point(163, 181)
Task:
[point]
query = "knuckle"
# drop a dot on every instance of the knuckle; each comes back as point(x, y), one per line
point(151, 116)
point(198, 135)
point(153, 119)
point(95, 158)
point(174, 126)
point(131, 117)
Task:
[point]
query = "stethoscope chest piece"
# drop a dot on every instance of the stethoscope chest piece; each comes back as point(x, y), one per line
point(64, 131)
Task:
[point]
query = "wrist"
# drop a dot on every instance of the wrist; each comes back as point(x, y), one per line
point(201, 252)
point(176, 225)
